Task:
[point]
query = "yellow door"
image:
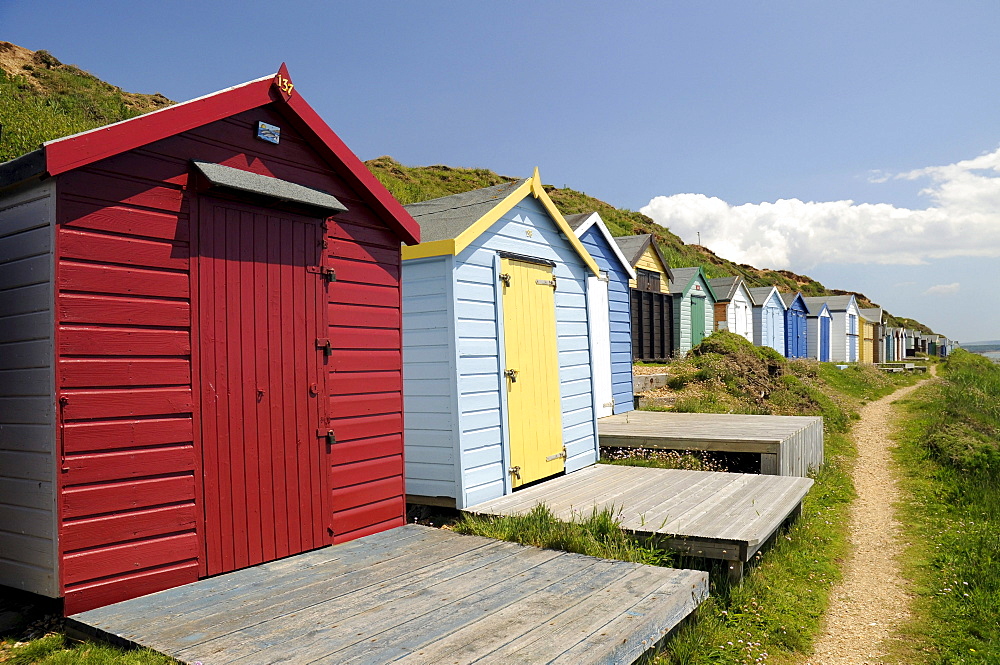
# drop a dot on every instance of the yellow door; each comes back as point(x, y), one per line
point(534, 413)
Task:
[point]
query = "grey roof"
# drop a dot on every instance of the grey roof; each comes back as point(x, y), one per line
point(276, 188)
point(447, 217)
point(760, 294)
point(872, 314)
point(725, 287)
point(575, 221)
point(682, 279)
point(633, 246)
point(22, 168)
point(789, 298)
point(839, 303)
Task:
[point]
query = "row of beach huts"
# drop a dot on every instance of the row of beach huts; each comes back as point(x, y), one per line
point(223, 342)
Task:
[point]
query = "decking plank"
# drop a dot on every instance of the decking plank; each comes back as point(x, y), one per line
point(438, 597)
point(719, 513)
point(796, 441)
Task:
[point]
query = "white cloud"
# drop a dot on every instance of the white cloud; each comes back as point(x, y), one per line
point(963, 220)
point(943, 289)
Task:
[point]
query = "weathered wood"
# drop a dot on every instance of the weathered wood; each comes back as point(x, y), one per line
point(705, 513)
point(794, 442)
point(413, 595)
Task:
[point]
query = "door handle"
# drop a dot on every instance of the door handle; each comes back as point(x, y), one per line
point(511, 374)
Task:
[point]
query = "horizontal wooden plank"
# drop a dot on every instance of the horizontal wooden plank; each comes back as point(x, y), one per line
point(346, 383)
point(114, 403)
point(90, 309)
point(348, 293)
point(366, 404)
point(128, 557)
point(359, 450)
point(87, 596)
point(130, 495)
point(368, 427)
point(23, 327)
point(112, 435)
point(119, 527)
point(27, 493)
point(95, 341)
point(367, 492)
point(98, 372)
point(364, 316)
point(26, 272)
point(26, 299)
point(89, 468)
point(343, 337)
point(90, 246)
point(27, 465)
point(366, 361)
point(346, 475)
point(124, 220)
point(120, 189)
point(99, 278)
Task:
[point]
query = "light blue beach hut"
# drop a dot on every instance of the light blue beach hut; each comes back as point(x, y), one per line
point(497, 365)
point(611, 324)
point(768, 318)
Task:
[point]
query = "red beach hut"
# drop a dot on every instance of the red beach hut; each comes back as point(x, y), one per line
point(200, 364)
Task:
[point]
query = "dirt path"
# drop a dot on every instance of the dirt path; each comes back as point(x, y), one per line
point(868, 606)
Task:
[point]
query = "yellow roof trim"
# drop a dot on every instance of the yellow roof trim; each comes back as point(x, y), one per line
point(426, 249)
point(532, 185)
point(466, 237)
point(539, 193)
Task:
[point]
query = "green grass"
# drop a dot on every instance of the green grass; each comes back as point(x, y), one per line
point(56, 649)
point(598, 534)
point(948, 454)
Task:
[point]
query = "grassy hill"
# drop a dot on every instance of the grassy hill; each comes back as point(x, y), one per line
point(42, 99)
point(411, 184)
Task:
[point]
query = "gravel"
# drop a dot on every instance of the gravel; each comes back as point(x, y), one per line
point(873, 600)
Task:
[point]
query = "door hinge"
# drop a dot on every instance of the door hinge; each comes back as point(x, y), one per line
point(552, 458)
point(327, 434)
point(505, 278)
point(329, 274)
point(511, 374)
point(547, 282)
point(325, 346)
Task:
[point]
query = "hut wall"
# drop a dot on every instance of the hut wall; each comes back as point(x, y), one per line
point(131, 422)
point(740, 315)
point(620, 317)
point(481, 401)
point(430, 389)
point(769, 324)
point(651, 262)
point(28, 496)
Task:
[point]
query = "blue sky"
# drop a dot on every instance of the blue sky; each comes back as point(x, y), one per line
point(756, 124)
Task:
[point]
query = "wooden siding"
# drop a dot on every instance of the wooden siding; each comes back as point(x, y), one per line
point(736, 309)
point(796, 331)
point(429, 382)
point(652, 325)
point(814, 325)
point(648, 260)
point(769, 323)
point(478, 467)
point(844, 345)
point(125, 360)
point(866, 341)
point(28, 543)
point(682, 309)
point(621, 323)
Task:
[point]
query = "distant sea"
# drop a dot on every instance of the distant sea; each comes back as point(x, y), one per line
point(992, 355)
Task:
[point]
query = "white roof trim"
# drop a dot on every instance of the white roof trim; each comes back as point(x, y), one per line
point(165, 108)
point(595, 219)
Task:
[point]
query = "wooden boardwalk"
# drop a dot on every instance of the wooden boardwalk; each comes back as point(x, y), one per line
point(788, 445)
point(712, 514)
point(413, 594)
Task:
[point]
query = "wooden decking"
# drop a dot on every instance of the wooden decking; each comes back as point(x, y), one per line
point(716, 515)
point(412, 595)
point(788, 445)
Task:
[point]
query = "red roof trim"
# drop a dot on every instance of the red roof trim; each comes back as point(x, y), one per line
point(374, 192)
point(79, 150)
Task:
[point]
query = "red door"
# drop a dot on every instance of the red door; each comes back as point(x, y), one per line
point(263, 387)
